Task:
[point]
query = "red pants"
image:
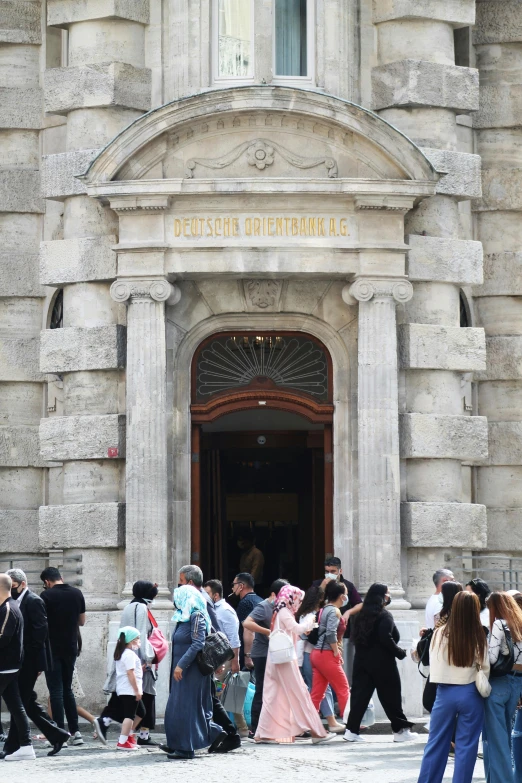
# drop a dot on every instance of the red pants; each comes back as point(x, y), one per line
point(328, 670)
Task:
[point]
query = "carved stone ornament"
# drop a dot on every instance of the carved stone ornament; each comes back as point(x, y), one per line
point(365, 289)
point(157, 290)
point(262, 293)
point(260, 153)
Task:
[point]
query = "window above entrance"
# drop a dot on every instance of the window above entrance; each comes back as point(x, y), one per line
point(271, 361)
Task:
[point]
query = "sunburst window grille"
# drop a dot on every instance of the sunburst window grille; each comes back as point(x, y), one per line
point(295, 363)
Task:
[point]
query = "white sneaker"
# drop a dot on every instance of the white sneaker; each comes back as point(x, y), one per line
point(351, 737)
point(338, 729)
point(25, 753)
point(76, 739)
point(322, 740)
point(404, 735)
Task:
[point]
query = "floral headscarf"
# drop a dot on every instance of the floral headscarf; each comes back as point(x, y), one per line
point(289, 597)
point(188, 600)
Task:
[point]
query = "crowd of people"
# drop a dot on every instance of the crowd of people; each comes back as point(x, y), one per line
point(296, 646)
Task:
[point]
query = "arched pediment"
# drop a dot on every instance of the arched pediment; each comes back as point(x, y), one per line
point(272, 133)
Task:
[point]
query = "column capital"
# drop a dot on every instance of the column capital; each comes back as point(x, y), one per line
point(155, 289)
point(365, 288)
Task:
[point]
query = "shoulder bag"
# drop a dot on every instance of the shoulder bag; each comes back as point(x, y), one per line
point(216, 651)
point(482, 683)
point(313, 636)
point(157, 640)
point(280, 645)
point(505, 663)
point(423, 649)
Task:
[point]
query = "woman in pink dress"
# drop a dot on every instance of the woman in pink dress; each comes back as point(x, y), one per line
point(287, 707)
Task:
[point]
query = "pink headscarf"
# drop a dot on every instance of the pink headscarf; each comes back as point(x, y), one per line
point(290, 597)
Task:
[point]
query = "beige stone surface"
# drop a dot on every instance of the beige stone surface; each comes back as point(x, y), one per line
point(502, 275)
point(20, 190)
point(77, 260)
point(441, 347)
point(462, 178)
point(93, 391)
point(19, 446)
point(422, 83)
point(19, 530)
point(499, 486)
point(20, 22)
point(503, 358)
point(90, 481)
point(72, 349)
point(20, 359)
point(19, 274)
point(505, 443)
point(82, 526)
point(97, 84)
point(500, 400)
point(439, 437)
point(456, 524)
point(461, 12)
point(65, 12)
point(82, 437)
point(20, 107)
point(21, 488)
point(498, 22)
point(20, 403)
point(499, 315)
point(59, 173)
point(501, 189)
point(504, 529)
point(445, 260)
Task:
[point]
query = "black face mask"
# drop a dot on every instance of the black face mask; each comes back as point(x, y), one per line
point(387, 600)
point(14, 593)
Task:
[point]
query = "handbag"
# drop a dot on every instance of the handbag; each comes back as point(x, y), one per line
point(281, 646)
point(216, 651)
point(505, 663)
point(247, 706)
point(157, 640)
point(423, 650)
point(482, 683)
point(313, 636)
point(236, 686)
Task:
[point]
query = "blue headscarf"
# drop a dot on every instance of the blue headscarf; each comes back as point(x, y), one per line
point(188, 600)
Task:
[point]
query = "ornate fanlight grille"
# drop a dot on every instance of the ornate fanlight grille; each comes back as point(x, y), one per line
point(290, 362)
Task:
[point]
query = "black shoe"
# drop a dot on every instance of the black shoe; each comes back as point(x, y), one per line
point(148, 742)
point(232, 742)
point(101, 730)
point(58, 746)
point(3, 754)
point(181, 756)
point(217, 742)
point(165, 748)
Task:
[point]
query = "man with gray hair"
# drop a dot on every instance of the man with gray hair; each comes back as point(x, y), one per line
point(37, 658)
point(434, 604)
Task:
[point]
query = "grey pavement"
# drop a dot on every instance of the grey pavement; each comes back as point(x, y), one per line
point(379, 760)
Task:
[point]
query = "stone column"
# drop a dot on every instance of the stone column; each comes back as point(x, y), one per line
point(378, 432)
point(146, 448)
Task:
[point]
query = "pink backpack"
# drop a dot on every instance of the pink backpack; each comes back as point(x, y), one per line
point(159, 644)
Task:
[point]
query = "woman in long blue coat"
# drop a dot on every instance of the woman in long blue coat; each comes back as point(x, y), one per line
point(188, 717)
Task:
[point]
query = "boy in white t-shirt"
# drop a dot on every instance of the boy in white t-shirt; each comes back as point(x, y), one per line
point(434, 604)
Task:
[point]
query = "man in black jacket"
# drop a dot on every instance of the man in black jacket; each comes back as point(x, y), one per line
point(37, 658)
point(11, 654)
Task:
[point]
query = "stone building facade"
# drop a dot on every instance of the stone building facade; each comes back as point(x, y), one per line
point(324, 193)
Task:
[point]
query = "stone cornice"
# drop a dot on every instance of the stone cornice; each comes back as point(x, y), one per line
point(139, 289)
point(366, 288)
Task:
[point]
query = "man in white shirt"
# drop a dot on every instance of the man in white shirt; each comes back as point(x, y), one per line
point(434, 604)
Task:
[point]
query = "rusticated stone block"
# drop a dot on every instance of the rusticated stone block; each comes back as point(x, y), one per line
point(20, 190)
point(20, 22)
point(445, 260)
point(502, 275)
point(19, 359)
point(422, 83)
point(462, 172)
point(504, 525)
point(498, 22)
point(443, 437)
point(21, 108)
point(503, 359)
point(82, 526)
point(461, 12)
point(505, 443)
point(501, 189)
point(20, 447)
point(19, 530)
point(500, 106)
point(428, 346)
point(19, 275)
point(59, 173)
point(455, 524)
point(77, 260)
point(61, 13)
point(74, 348)
point(82, 437)
point(103, 84)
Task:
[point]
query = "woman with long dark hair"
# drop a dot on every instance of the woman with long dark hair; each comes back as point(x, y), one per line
point(376, 641)
point(482, 591)
point(506, 687)
point(458, 650)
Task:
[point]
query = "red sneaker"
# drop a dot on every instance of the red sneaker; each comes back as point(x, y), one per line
point(126, 746)
point(132, 739)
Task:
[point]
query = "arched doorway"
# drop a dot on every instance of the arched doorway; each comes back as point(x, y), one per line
point(262, 456)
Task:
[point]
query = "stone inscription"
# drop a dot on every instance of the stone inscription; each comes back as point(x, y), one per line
point(204, 227)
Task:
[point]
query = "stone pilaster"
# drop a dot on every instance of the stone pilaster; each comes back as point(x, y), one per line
point(378, 432)
point(146, 468)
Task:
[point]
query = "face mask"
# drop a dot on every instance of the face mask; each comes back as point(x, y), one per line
point(387, 600)
point(345, 600)
point(147, 600)
point(14, 593)
point(135, 646)
point(330, 576)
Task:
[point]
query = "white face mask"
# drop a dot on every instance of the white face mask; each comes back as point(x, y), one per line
point(330, 576)
point(345, 600)
point(147, 600)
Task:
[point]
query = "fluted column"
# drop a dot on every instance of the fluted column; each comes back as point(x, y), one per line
point(378, 432)
point(146, 467)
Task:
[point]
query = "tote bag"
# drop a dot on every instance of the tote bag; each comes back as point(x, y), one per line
point(236, 686)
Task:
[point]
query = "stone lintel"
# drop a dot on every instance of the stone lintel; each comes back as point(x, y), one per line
point(77, 260)
point(443, 437)
point(82, 437)
point(502, 275)
point(500, 106)
point(19, 274)
point(76, 348)
point(503, 359)
point(455, 524)
point(428, 346)
point(498, 22)
point(462, 178)
point(444, 260)
point(82, 526)
point(59, 173)
point(61, 13)
point(19, 359)
point(505, 443)
point(409, 83)
point(20, 190)
point(103, 84)
point(501, 190)
point(21, 107)
point(20, 22)
point(19, 447)
point(504, 525)
point(19, 530)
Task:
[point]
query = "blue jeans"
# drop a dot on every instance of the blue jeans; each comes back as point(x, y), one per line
point(59, 681)
point(463, 704)
point(516, 739)
point(496, 737)
point(326, 707)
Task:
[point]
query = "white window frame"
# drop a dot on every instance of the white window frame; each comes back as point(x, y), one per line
point(226, 81)
point(298, 81)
